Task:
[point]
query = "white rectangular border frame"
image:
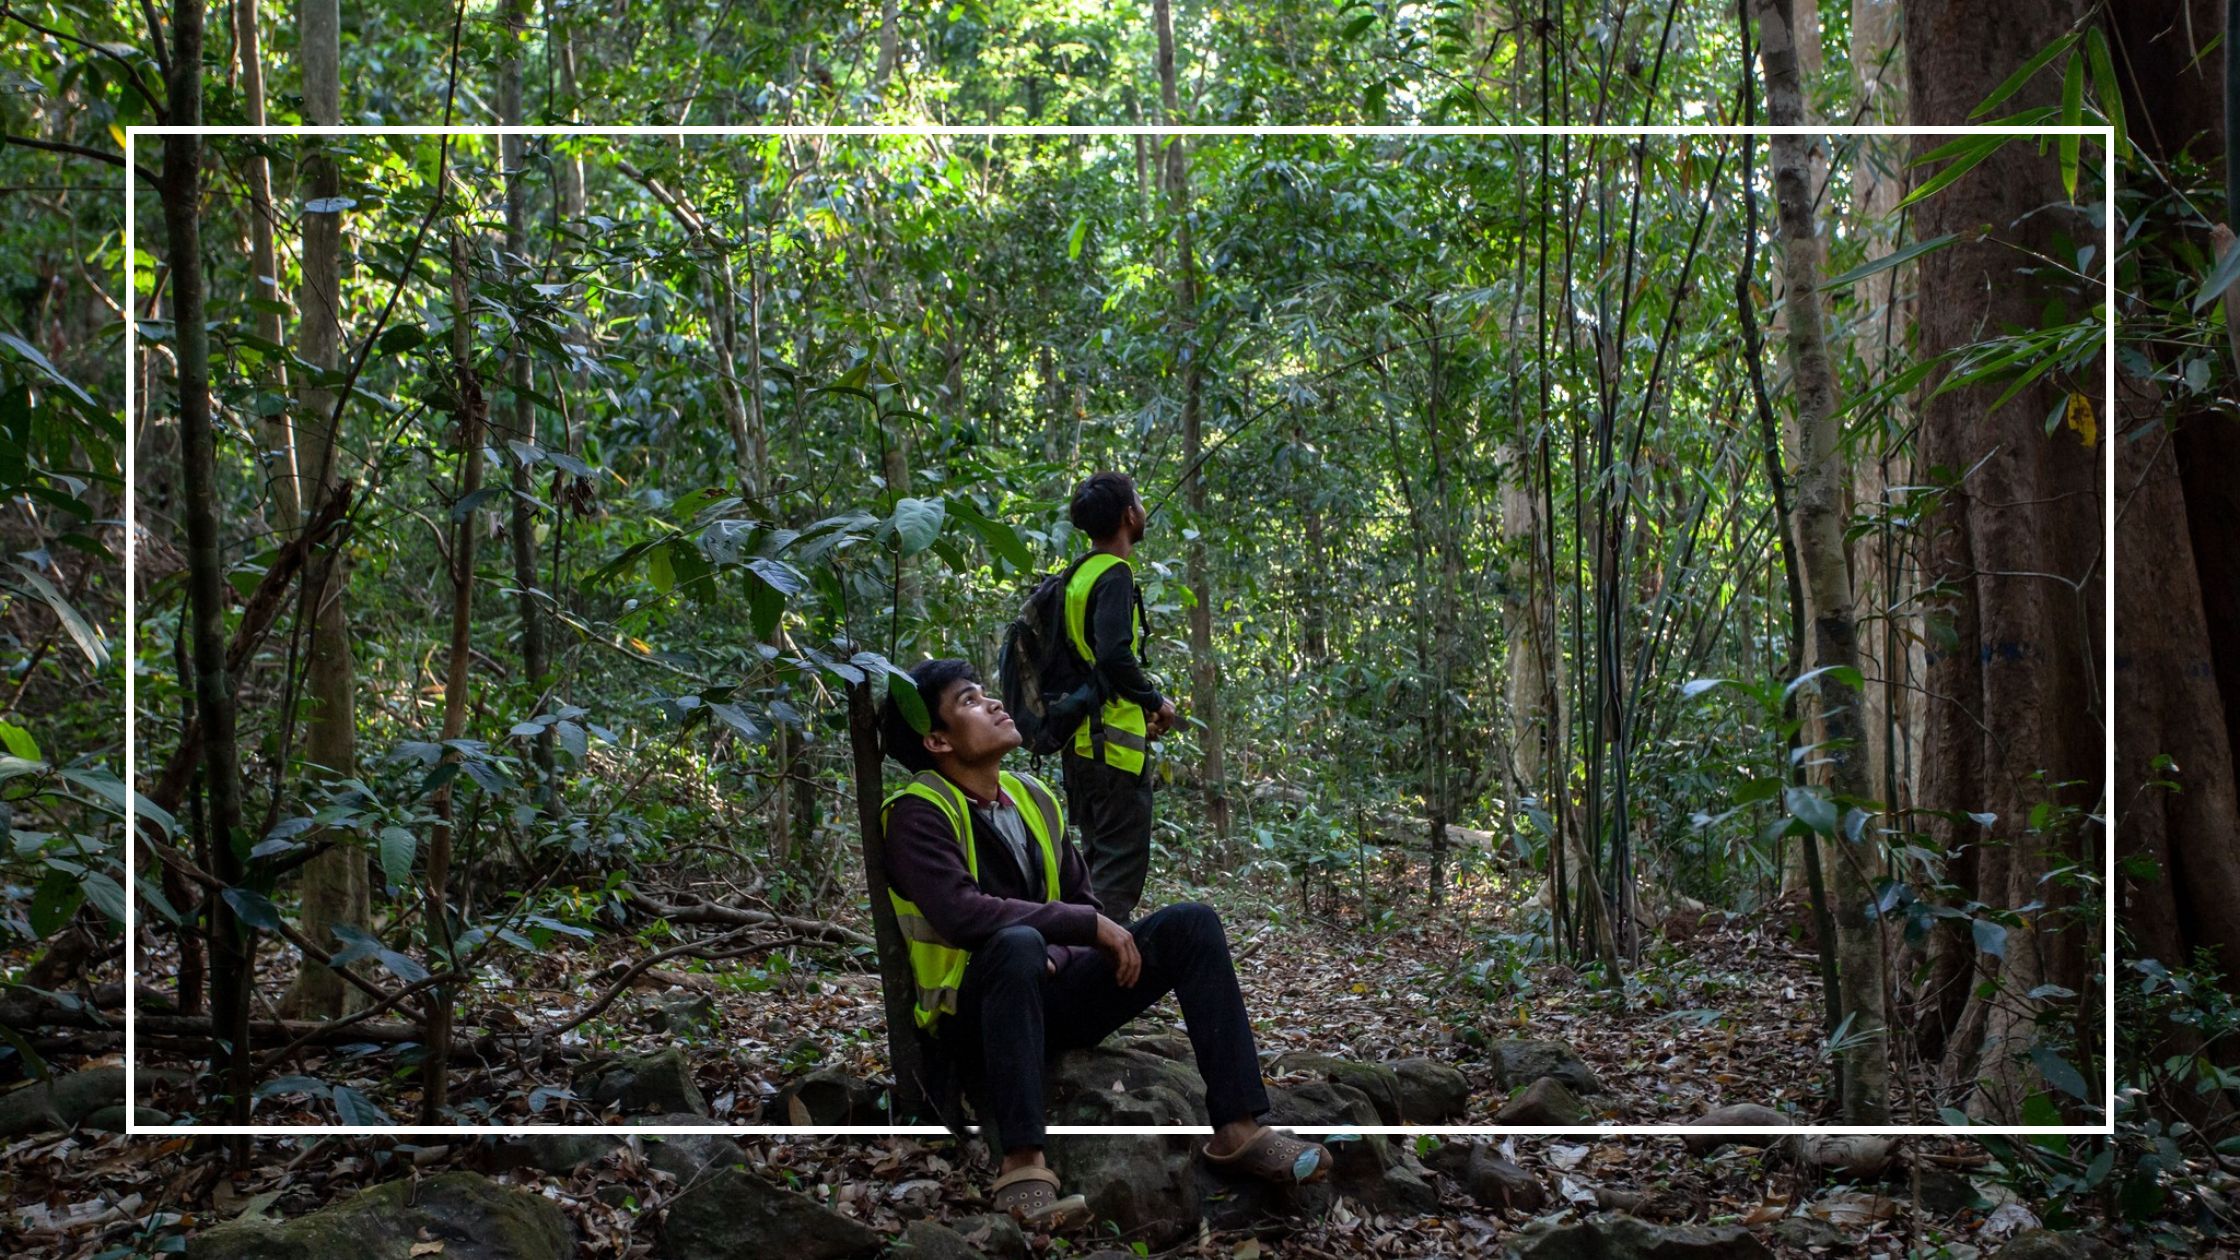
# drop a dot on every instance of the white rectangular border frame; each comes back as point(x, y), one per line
point(2105, 134)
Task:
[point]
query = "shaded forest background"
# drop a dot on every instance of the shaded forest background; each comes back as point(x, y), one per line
point(1567, 546)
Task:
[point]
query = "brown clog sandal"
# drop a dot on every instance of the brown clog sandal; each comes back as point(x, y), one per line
point(1031, 1195)
point(1277, 1157)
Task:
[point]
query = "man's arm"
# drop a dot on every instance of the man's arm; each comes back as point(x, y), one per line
point(1112, 608)
point(926, 867)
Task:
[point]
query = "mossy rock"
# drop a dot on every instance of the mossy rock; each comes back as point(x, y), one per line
point(733, 1214)
point(474, 1218)
point(659, 1082)
point(1378, 1083)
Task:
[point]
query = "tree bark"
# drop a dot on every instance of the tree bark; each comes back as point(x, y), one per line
point(335, 888)
point(914, 1091)
point(279, 455)
point(2014, 717)
point(1819, 524)
point(1205, 676)
point(232, 979)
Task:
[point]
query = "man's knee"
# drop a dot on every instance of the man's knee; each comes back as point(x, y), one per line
point(1197, 922)
point(1016, 947)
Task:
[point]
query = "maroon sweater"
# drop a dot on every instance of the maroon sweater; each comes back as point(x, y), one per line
point(925, 865)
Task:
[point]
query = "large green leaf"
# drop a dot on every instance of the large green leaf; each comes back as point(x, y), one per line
point(917, 522)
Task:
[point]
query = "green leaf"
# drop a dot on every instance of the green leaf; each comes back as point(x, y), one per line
point(106, 895)
point(766, 604)
point(469, 502)
point(253, 908)
point(2220, 279)
point(2072, 115)
point(1697, 686)
point(1812, 809)
point(19, 741)
point(2104, 85)
point(353, 1107)
point(905, 695)
point(917, 522)
point(398, 847)
point(2058, 1072)
point(1970, 153)
point(30, 354)
point(58, 897)
point(1895, 258)
point(88, 639)
point(1074, 238)
point(2028, 71)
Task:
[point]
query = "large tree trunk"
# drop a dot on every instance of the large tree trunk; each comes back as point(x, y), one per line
point(1819, 524)
point(1205, 677)
point(2178, 541)
point(2014, 717)
point(232, 980)
point(335, 887)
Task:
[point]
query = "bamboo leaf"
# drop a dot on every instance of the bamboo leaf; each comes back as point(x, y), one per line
point(2028, 71)
point(2220, 279)
point(2104, 84)
point(1896, 258)
point(2072, 115)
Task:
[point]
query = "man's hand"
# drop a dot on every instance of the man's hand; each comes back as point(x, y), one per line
point(1120, 947)
point(1162, 721)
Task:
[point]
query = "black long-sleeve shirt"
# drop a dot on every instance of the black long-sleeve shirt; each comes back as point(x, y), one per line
point(1110, 621)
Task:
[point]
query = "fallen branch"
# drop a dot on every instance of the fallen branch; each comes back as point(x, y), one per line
point(709, 912)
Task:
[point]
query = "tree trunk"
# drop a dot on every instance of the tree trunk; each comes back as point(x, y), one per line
point(279, 456)
point(1890, 646)
point(2014, 720)
point(513, 152)
point(1819, 524)
point(1205, 678)
point(913, 1092)
point(472, 410)
point(335, 887)
point(232, 980)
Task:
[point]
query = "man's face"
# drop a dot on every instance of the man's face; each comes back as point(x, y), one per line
point(974, 727)
point(1136, 521)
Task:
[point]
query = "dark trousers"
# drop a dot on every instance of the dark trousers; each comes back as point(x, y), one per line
point(1012, 1015)
point(1112, 808)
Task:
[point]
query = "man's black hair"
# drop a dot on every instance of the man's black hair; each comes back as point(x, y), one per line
point(904, 742)
point(1100, 502)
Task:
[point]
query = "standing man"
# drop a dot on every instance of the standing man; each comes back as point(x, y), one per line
point(1108, 767)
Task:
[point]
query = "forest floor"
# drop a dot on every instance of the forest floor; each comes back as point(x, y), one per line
point(1728, 1015)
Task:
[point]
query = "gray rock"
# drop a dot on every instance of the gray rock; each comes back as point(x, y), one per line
point(1498, 1184)
point(1728, 1116)
point(689, 1013)
point(1809, 1233)
point(688, 1156)
point(1167, 1045)
point(1946, 1194)
point(1431, 1092)
point(1544, 1102)
point(1151, 1090)
point(661, 1081)
point(826, 1097)
point(60, 1101)
point(732, 1214)
point(996, 1234)
point(1143, 1183)
point(560, 1153)
point(928, 1240)
point(1615, 1237)
point(2052, 1244)
point(473, 1217)
point(1523, 1062)
point(1365, 1166)
point(1378, 1083)
point(112, 1119)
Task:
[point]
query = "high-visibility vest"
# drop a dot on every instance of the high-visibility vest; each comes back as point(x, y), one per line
point(935, 964)
point(1125, 731)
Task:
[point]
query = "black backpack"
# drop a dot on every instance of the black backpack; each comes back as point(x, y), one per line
point(1047, 688)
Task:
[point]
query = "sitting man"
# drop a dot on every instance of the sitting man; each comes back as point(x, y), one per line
point(1014, 959)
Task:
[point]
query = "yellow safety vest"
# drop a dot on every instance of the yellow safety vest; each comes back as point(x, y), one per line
point(935, 964)
point(1126, 730)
